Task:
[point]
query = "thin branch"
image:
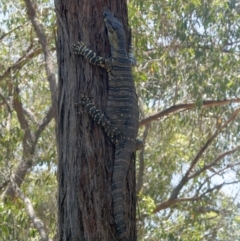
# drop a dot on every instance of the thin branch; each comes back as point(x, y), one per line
point(6, 34)
point(27, 159)
point(37, 223)
point(29, 141)
point(21, 62)
point(185, 178)
point(31, 115)
point(5, 101)
point(4, 184)
point(217, 187)
point(206, 209)
point(28, 144)
point(44, 122)
point(204, 47)
point(169, 203)
point(223, 170)
point(183, 107)
point(141, 162)
point(205, 181)
point(27, 51)
point(214, 162)
point(50, 70)
point(18, 107)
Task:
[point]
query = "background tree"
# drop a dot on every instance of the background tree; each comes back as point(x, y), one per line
point(188, 86)
point(27, 137)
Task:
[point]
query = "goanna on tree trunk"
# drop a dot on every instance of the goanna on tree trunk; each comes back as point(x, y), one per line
point(85, 153)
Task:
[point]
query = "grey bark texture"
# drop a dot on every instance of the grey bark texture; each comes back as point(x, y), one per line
point(86, 155)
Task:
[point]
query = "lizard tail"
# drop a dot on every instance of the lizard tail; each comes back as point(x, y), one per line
point(118, 181)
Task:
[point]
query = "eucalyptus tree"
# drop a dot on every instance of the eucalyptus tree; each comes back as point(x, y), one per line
point(187, 79)
point(28, 100)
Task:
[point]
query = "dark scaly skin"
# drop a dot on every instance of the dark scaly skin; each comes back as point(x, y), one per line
point(121, 120)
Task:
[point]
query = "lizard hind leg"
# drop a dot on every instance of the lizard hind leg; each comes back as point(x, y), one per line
point(113, 133)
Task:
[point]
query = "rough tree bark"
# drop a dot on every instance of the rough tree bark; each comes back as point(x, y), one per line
point(85, 154)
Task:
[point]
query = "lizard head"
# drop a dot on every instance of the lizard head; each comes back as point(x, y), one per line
point(116, 34)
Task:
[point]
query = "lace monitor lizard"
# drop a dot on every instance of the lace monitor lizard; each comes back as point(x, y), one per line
point(121, 120)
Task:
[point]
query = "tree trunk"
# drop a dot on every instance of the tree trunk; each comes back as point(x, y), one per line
point(85, 161)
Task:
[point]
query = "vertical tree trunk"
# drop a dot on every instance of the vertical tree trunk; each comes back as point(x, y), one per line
point(85, 154)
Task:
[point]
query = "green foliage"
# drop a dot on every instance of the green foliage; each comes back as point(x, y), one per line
point(187, 52)
point(22, 76)
point(14, 221)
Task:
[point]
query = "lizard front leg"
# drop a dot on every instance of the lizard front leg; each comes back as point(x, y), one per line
point(81, 49)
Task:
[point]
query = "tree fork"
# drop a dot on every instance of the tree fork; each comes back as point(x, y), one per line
point(85, 155)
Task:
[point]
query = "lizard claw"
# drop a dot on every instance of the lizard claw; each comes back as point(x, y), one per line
point(79, 47)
